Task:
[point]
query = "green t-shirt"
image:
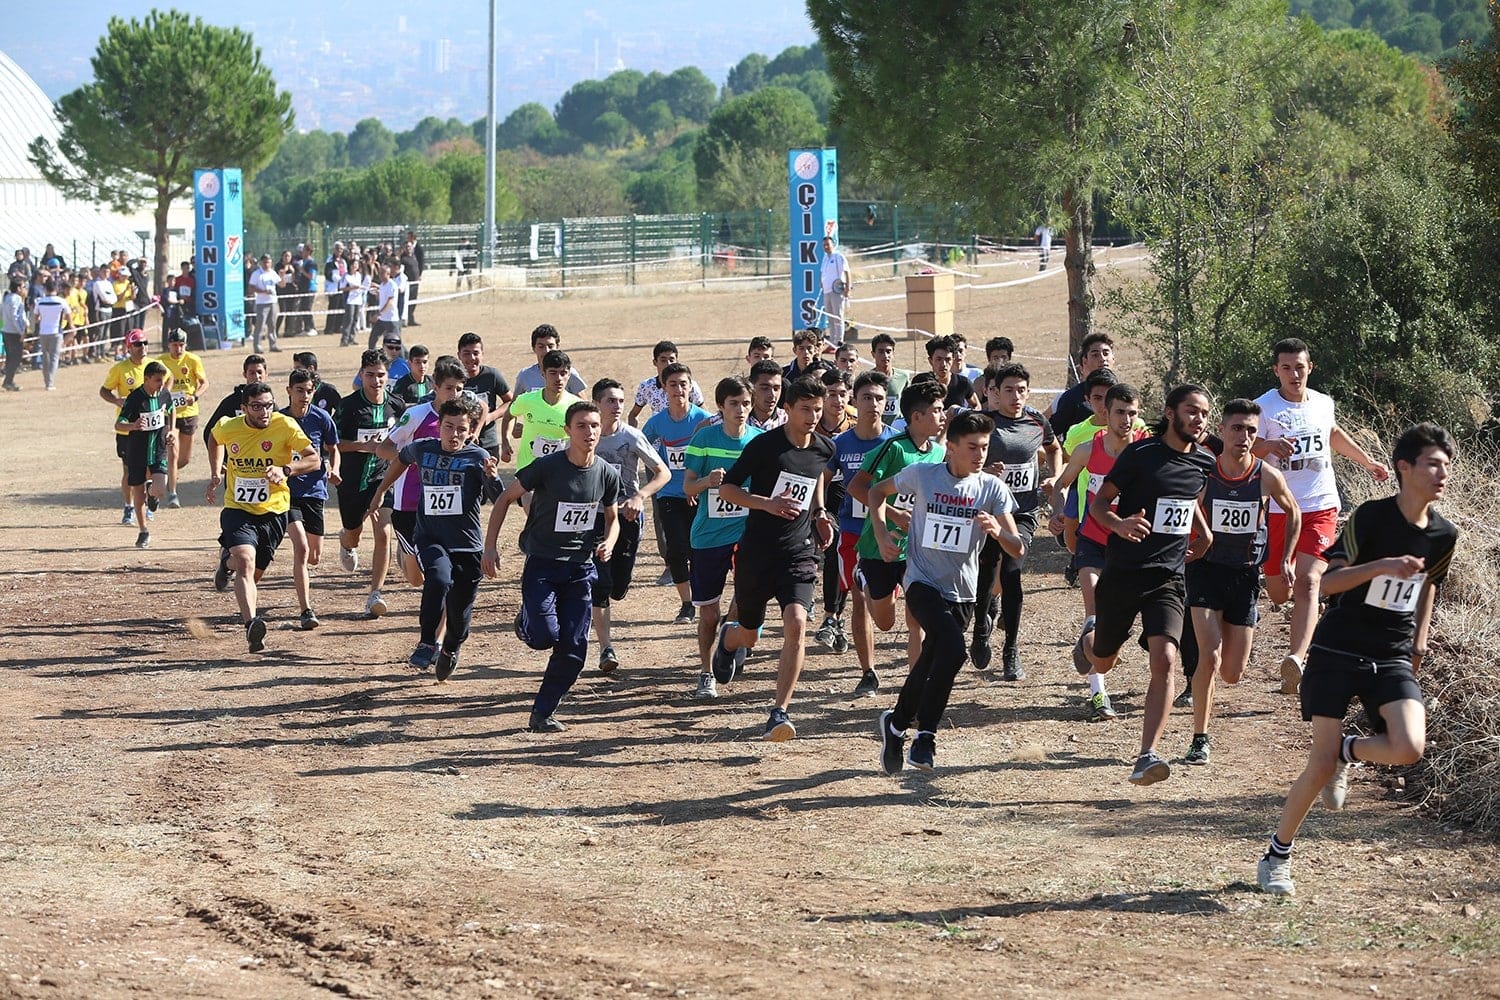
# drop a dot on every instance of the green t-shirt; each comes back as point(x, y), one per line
point(882, 463)
point(544, 425)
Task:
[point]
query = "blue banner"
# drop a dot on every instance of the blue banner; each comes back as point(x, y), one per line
point(813, 195)
point(219, 255)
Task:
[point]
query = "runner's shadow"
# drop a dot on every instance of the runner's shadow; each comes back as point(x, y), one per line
point(1179, 902)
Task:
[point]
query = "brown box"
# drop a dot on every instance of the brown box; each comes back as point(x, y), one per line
point(929, 302)
point(939, 324)
point(938, 281)
point(930, 295)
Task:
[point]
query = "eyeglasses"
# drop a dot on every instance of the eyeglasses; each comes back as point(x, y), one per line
point(259, 406)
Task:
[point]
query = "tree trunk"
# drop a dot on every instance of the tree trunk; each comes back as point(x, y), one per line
point(159, 267)
point(1078, 262)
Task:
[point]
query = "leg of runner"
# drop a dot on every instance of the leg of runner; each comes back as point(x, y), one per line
point(301, 578)
point(556, 597)
point(1209, 627)
point(929, 682)
point(380, 562)
point(463, 587)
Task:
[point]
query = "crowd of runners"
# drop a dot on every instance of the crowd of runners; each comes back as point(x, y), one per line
point(832, 485)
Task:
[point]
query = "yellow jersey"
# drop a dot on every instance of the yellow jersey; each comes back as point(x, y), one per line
point(123, 378)
point(78, 306)
point(249, 452)
point(188, 377)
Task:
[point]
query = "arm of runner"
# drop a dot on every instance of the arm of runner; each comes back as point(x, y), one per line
point(694, 484)
point(821, 521)
point(611, 533)
point(1273, 485)
point(890, 549)
point(215, 464)
point(637, 503)
point(859, 487)
point(1340, 576)
point(392, 473)
point(1279, 448)
point(332, 453)
point(1134, 528)
point(109, 397)
point(1049, 456)
point(490, 563)
point(775, 506)
point(1350, 449)
point(1424, 619)
point(1002, 528)
point(635, 411)
point(1202, 538)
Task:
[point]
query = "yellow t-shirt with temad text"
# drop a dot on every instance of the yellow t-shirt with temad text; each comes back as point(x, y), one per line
point(187, 377)
point(249, 452)
point(123, 378)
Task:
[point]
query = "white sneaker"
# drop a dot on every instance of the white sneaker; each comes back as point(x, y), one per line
point(1337, 789)
point(375, 606)
point(1291, 673)
point(349, 559)
point(1274, 875)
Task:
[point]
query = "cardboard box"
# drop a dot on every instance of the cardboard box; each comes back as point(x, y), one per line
point(939, 324)
point(937, 281)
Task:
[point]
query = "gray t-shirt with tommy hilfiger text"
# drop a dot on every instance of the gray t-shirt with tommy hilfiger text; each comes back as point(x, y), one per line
point(942, 548)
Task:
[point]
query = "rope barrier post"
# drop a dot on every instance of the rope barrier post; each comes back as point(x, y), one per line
point(703, 248)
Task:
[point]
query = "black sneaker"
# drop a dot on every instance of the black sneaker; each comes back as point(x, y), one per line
point(684, 615)
point(869, 683)
point(923, 752)
point(722, 660)
point(980, 655)
point(152, 501)
point(516, 628)
point(547, 724)
point(1197, 753)
point(255, 631)
point(892, 746)
point(1149, 769)
point(608, 661)
point(1080, 658)
point(840, 639)
point(445, 664)
point(1013, 669)
point(221, 572)
point(308, 621)
point(779, 727)
point(1184, 700)
point(143, 540)
point(1070, 575)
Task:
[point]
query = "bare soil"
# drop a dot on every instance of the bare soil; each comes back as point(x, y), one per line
point(179, 818)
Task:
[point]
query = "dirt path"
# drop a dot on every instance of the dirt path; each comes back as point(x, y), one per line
point(181, 819)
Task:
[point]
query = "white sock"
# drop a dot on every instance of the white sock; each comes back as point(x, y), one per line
point(1096, 683)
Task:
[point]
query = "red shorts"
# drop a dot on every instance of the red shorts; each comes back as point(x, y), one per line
point(847, 560)
point(1319, 529)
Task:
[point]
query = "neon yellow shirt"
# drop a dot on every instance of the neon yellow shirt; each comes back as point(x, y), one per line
point(188, 377)
point(544, 426)
point(123, 378)
point(249, 452)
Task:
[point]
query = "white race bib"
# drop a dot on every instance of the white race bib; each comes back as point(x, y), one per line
point(252, 490)
point(370, 434)
point(1020, 478)
point(677, 458)
point(719, 508)
point(902, 502)
point(442, 501)
point(179, 399)
point(542, 447)
point(1235, 517)
point(154, 420)
point(574, 518)
point(798, 489)
point(947, 533)
point(1392, 593)
point(1173, 517)
point(857, 509)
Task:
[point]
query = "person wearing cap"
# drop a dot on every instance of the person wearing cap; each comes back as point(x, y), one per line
point(186, 379)
point(123, 378)
point(264, 283)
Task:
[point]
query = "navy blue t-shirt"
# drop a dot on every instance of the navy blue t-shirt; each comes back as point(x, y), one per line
point(452, 483)
point(322, 432)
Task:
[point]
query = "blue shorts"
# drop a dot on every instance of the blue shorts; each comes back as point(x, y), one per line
point(707, 573)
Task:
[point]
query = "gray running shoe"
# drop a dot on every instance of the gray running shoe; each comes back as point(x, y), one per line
point(1149, 769)
point(708, 688)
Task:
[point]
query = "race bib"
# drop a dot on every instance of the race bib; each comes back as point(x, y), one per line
point(1235, 517)
point(857, 509)
point(154, 420)
point(574, 518)
point(442, 501)
point(1020, 478)
point(252, 490)
point(903, 502)
point(370, 434)
point(892, 407)
point(677, 458)
point(542, 447)
point(798, 489)
point(947, 533)
point(1173, 517)
point(720, 509)
point(179, 399)
point(1392, 593)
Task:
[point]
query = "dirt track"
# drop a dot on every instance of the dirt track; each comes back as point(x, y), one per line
point(181, 819)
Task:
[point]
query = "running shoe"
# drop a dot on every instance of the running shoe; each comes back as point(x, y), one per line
point(445, 664)
point(892, 745)
point(1080, 658)
point(308, 621)
point(221, 572)
point(1100, 708)
point(869, 683)
point(128, 517)
point(1197, 753)
point(255, 631)
point(684, 614)
point(1184, 700)
point(824, 632)
point(544, 724)
point(1291, 673)
point(150, 512)
point(173, 502)
point(722, 661)
point(375, 605)
point(143, 540)
point(1274, 875)
point(1070, 575)
point(779, 727)
point(980, 655)
point(923, 752)
point(665, 580)
point(1337, 789)
point(1149, 769)
point(708, 688)
point(840, 639)
point(608, 661)
point(152, 501)
point(1013, 669)
point(423, 655)
point(349, 559)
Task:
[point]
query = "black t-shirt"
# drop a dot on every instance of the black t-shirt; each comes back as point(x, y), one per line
point(488, 386)
point(358, 419)
point(1378, 619)
point(1165, 484)
point(412, 391)
point(326, 398)
point(1015, 443)
point(770, 466)
point(959, 388)
point(228, 408)
point(1071, 407)
point(452, 484)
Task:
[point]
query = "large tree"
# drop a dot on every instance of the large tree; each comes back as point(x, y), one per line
point(169, 94)
point(740, 157)
point(995, 104)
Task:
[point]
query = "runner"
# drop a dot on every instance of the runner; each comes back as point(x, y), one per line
point(1094, 459)
point(1300, 437)
point(451, 473)
point(325, 396)
point(836, 419)
point(941, 553)
point(766, 412)
point(544, 340)
point(388, 318)
point(717, 524)
point(651, 394)
point(364, 419)
point(1070, 406)
point(186, 380)
point(882, 351)
point(760, 349)
point(305, 521)
point(807, 345)
point(1073, 510)
point(252, 370)
point(961, 364)
point(1023, 452)
point(670, 431)
point(1223, 586)
point(542, 414)
point(414, 385)
point(264, 449)
point(146, 419)
point(626, 450)
point(998, 352)
point(1383, 575)
point(849, 451)
point(1159, 479)
point(486, 384)
point(779, 477)
point(562, 538)
point(123, 378)
point(958, 392)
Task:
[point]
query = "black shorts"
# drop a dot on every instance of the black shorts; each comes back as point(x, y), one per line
point(121, 440)
point(709, 570)
point(614, 577)
point(1159, 596)
point(263, 532)
point(354, 504)
point(881, 577)
point(308, 511)
point(1232, 590)
point(1333, 679)
point(405, 524)
point(1090, 554)
point(138, 470)
point(187, 425)
point(760, 580)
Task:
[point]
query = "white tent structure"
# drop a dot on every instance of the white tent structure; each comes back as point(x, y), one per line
point(32, 212)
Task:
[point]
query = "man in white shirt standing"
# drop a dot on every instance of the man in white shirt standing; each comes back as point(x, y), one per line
point(835, 273)
point(388, 320)
point(264, 283)
point(1043, 236)
point(51, 314)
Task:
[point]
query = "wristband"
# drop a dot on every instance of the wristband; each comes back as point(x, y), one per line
point(286, 470)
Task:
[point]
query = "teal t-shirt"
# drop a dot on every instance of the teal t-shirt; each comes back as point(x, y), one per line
point(716, 521)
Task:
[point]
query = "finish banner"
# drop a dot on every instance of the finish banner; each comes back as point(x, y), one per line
point(219, 255)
